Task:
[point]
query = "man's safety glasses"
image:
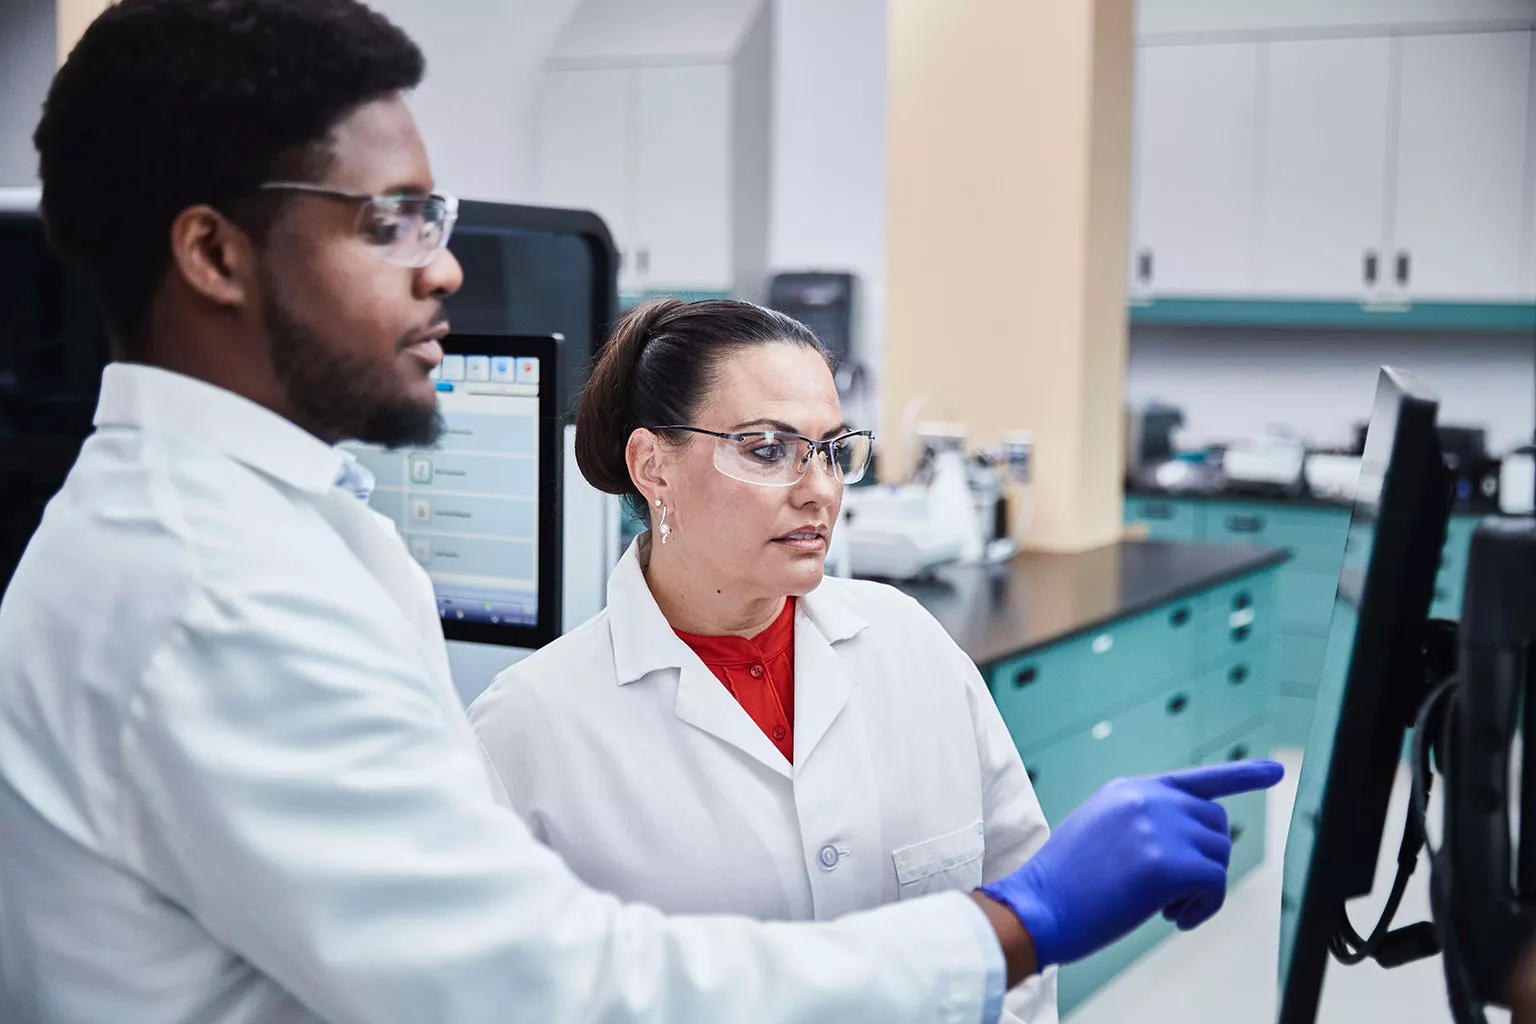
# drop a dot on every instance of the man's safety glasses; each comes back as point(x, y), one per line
point(775, 458)
point(406, 230)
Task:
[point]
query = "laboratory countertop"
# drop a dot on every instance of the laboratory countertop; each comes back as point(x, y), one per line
point(1038, 598)
point(1289, 500)
point(1283, 500)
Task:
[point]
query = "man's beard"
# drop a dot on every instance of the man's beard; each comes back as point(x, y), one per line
point(339, 396)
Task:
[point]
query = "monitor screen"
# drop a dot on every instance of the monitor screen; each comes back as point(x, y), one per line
point(1367, 693)
point(476, 510)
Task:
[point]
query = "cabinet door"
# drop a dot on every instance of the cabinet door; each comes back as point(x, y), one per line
point(1462, 127)
point(1194, 168)
point(582, 132)
point(1323, 166)
point(682, 177)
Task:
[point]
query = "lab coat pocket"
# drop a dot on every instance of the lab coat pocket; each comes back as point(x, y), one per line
point(943, 864)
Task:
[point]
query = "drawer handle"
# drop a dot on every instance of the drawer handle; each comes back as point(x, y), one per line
point(1235, 831)
point(1245, 524)
point(1242, 600)
point(1241, 633)
point(1178, 704)
point(1180, 617)
point(1101, 730)
point(1238, 753)
point(1157, 510)
point(1242, 618)
point(1103, 643)
point(1026, 675)
point(1238, 675)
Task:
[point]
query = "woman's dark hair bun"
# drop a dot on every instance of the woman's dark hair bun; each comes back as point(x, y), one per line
point(655, 370)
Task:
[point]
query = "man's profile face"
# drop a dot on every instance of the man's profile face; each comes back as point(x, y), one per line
point(353, 336)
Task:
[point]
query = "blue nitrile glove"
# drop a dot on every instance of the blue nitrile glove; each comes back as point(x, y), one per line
point(1138, 847)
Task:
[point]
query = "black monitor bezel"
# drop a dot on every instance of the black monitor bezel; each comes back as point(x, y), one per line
point(550, 448)
point(1380, 695)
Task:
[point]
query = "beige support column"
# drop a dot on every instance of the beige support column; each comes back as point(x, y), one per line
point(1008, 202)
point(73, 18)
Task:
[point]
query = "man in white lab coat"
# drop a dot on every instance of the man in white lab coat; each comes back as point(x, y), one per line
point(235, 782)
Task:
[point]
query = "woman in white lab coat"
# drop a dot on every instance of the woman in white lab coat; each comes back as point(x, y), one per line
point(735, 733)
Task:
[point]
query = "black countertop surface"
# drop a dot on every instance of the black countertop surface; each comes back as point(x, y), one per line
point(1305, 500)
point(1037, 598)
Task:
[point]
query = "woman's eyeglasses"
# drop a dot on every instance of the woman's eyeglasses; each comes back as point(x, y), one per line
point(406, 230)
point(776, 458)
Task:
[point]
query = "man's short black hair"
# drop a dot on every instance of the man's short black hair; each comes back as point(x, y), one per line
point(164, 104)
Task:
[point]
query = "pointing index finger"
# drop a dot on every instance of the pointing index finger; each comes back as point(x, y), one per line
point(1220, 780)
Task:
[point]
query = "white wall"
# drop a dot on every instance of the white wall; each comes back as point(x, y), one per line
point(1233, 383)
point(827, 188)
point(28, 49)
point(476, 105)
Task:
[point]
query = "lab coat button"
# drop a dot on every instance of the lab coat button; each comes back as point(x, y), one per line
point(828, 856)
point(757, 671)
point(778, 733)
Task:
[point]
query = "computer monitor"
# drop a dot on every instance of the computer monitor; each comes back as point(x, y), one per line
point(480, 510)
point(1371, 684)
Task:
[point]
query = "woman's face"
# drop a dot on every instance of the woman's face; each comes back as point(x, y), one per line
point(749, 540)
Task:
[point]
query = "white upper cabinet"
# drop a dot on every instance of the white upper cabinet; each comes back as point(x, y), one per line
point(1352, 169)
point(1194, 164)
point(648, 150)
point(682, 177)
point(583, 126)
point(638, 119)
point(1461, 170)
point(1322, 168)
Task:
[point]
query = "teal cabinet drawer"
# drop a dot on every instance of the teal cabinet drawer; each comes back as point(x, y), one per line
point(1447, 602)
point(1306, 598)
point(1067, 772)
point(1301, 661)
point(1357, 545)
point(1231, 696)
point(1238, 618)
point(1255, 743)
point(1076, 982)
point(1045, 694)
point(1458, 538)
point(1150, 736)
point(1042, 694)
point(1165, 518)
point(1290, 719)
point(1247, 813)
point(1315, 536)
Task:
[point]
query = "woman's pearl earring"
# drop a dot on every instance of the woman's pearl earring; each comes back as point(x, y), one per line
point(666, 531)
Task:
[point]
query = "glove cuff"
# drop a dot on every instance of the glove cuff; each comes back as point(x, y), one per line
point(1020, 893)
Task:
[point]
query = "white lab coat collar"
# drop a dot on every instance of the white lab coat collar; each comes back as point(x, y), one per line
point(149, 398)
point(644, 642)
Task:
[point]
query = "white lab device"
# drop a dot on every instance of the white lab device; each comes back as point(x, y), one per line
point(1333, 476)
point(1275, 462)
point(1517, 483)
point(890, 533)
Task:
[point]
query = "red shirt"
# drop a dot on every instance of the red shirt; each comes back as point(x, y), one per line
point(759, 673)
